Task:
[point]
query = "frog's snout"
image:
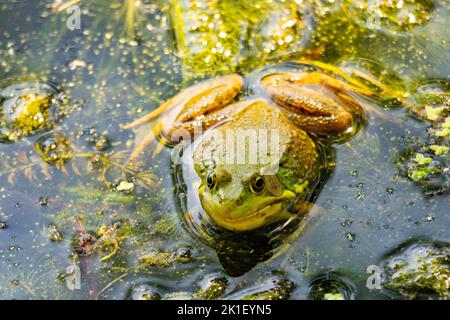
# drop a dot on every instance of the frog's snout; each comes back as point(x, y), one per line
point(223, 176)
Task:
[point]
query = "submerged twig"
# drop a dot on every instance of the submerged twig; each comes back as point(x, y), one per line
point(84, 254)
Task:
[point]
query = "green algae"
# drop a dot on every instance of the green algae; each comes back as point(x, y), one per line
point(419, 269)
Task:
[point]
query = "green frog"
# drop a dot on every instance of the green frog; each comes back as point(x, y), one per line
point(296, 108)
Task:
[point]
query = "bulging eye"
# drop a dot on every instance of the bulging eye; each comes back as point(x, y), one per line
point(258, 184)
point(211, 180)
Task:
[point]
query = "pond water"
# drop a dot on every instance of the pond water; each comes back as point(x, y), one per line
point(77, 221)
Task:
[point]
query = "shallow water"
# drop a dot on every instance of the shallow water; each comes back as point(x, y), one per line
point(109, 74)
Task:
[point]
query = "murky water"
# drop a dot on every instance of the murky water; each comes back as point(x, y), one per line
point(71, 208)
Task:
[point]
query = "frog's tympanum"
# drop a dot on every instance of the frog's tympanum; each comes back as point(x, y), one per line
point(276, 130)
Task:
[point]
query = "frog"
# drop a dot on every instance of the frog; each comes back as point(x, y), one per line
point(304, 107)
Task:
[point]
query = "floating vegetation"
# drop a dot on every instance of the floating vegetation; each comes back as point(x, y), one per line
point(164, 259)
point(428, 162)
point(281, 31)
point(417, 269)
point(110, 238)
point(54, 149)
point(144, 292)
point(392, 16)
point(206, 34)
point(212, 286)
point(27, 108)
point(54, 234)
point(275, 287)
point(209, 40)
point(106, 241)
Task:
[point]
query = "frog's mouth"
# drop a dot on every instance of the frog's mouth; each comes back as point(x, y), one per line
point(270, 212)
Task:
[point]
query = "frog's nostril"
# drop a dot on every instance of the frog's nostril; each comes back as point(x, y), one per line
point(238, 201)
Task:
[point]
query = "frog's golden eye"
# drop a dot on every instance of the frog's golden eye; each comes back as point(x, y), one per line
point(211, 180)
point(258, 184)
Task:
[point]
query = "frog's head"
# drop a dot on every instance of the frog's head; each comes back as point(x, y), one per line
point(239, 198)
point(252, 184)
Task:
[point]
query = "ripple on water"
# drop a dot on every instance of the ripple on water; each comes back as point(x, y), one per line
point(27, 107)
point(330, 286)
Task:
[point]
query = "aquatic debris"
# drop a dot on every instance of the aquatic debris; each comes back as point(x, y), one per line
point(54, 149)
point(164, 259)
point(43, 201)
point(144, 292)
point(428, 163)
point(207, 35)
point(280, 31)
point(109, 167)
point(275, 287)
point(178, 296)
point(350, 236)
point(102, 143)
point(54, 234)
point(157, 259)
point(212, 286)
point(125, 186)
point(330, 286)
point(84, 243)
point(418, 270)
point(111, 237)
point(77, 64)
point(391, 16)
point(183, 255)
point(210, 40)
point(27, 108)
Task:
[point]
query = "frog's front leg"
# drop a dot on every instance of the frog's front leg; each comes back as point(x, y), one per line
point(314, 106)
point(199, 105)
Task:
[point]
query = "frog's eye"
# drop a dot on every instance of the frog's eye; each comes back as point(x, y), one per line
point(258, 184)
point(211, 180)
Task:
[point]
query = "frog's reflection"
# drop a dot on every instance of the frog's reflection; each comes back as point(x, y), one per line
point(240, 252)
